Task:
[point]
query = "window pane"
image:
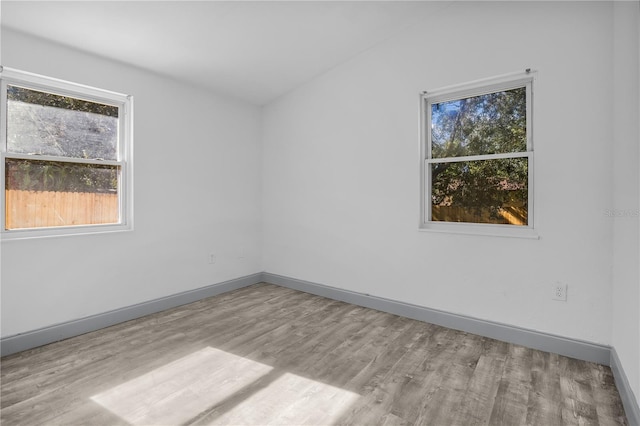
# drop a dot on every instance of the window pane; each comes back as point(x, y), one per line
point(483, 191)
point(47, 124)
point(487, 124)
point(45, 194)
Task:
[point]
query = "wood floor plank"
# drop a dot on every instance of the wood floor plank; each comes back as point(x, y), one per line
point(479, 399)
point(462, 355)
point(510, 406)
point(608, 405)
point(299, 359)
point(544, 401)
point(576, 393)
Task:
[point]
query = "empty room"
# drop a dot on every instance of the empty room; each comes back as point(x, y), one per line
point(320, 212)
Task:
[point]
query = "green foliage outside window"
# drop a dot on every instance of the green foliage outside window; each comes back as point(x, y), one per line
point(493, 123)
point(20, 94)
point(41, 123)
point(30, 175)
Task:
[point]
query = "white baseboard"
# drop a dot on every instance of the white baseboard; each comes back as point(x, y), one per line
point(573, 348)
point(629, 401)
point(54, 333)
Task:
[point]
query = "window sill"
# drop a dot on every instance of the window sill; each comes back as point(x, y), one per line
point(505, 231)
point(34, 233)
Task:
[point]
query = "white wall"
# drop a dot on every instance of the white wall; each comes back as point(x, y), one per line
point(341, 170)
point(341, 190)
point(626, 278)
point(197, 190)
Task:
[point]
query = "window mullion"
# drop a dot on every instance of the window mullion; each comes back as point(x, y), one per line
point(52, 158)
point(478, 157)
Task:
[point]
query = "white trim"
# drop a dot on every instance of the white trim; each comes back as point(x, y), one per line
point(630, 403)
point(62, 231)
point(481, 229)
point(62, 87)
point(580, 349)
point(75, 327)
point(126, 150)
point(566, 346)
point(124, 160)
point(3, 147)
point(481, 86)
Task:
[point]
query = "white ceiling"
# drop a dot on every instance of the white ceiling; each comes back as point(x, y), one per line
point(255, 51)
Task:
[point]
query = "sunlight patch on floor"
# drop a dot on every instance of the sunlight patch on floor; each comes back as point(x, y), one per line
point(291, 400)
point(180, 390)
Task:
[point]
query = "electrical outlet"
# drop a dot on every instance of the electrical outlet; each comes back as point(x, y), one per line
point(212, 258)
point(559, 291)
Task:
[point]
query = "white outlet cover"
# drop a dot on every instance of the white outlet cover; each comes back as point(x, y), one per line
point(559, 292)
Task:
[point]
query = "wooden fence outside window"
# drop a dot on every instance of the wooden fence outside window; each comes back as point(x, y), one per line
point(507, 215)
point(38, 209)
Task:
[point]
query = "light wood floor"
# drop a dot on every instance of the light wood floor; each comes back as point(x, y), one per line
point(270, 355)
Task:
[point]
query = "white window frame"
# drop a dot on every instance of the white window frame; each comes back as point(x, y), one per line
point(476, 88)
point(124, 158)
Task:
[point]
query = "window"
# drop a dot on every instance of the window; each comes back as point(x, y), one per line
point(477, 157)
point(66, 157)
